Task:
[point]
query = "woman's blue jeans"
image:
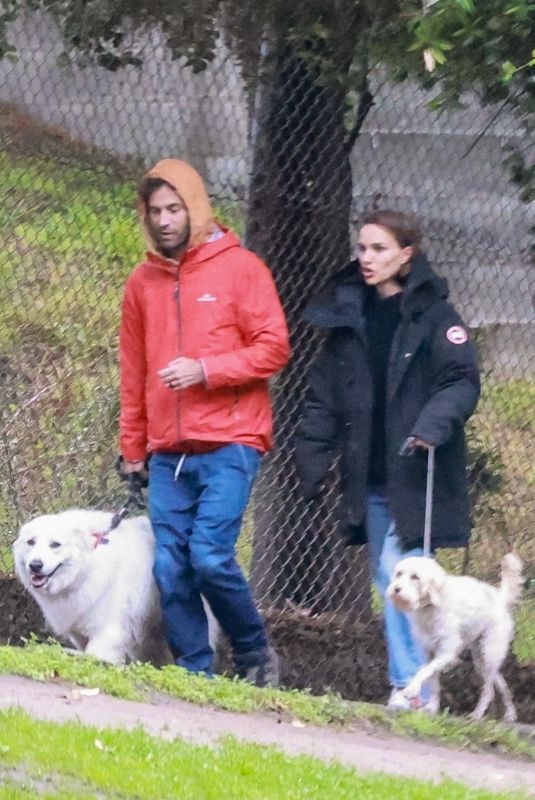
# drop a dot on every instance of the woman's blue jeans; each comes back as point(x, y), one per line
point(405, 656)
point(196, 509)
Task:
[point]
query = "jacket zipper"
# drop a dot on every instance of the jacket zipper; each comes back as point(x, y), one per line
point(176, 298)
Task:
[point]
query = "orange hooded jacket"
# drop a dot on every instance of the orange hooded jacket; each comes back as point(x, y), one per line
point(218, 304)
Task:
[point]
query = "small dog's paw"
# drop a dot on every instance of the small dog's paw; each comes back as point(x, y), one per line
point(411, 691)
point(432, 706)
point(476, 715)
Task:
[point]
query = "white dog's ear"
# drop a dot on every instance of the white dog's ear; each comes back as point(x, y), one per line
point(84, 535)
point(435, 585)
point(434, 593)
point(23, 530)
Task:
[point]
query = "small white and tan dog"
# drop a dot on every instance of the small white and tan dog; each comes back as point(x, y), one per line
point(449, 613)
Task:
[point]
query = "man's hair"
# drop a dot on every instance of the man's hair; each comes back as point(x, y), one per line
point(150, 185)
point(403, 227)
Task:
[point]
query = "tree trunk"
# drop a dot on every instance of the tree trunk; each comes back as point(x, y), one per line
point(299, 208)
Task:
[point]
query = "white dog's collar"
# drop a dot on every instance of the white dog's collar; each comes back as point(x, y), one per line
point(101, 537)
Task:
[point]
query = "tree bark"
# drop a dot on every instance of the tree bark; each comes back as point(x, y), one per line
point(298, 221)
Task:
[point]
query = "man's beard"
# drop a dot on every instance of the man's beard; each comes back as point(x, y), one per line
point(164, 248)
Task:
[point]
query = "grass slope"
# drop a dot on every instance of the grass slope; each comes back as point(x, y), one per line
point(41, 759)
point(136, 681)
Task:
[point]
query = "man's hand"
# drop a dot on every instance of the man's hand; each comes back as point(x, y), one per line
point(127, 467)
point(131, 467)
point(181, 373)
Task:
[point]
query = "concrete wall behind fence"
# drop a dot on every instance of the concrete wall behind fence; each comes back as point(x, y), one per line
point(477, 227)
point(160, 109)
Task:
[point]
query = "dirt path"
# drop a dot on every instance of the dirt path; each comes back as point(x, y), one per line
point(170, 718)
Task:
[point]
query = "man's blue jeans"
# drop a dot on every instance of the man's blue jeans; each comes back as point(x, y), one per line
point(196, 507)
point(405, 657)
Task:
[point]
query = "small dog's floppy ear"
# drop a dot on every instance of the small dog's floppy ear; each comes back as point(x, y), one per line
point(434, 584)
point(433, 592)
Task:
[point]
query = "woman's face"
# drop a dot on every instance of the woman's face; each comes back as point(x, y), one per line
point(381, 259)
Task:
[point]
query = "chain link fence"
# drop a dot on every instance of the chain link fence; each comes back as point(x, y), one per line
point(285, 171)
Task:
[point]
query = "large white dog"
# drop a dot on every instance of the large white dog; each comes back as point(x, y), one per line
point(452, 612)
point(99, 595)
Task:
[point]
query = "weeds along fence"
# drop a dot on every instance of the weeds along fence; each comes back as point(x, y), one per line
point(282, 170)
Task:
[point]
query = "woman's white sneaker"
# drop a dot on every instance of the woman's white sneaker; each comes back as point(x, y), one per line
point(398, 702)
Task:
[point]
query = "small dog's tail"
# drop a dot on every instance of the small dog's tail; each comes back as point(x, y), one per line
point(512, 579)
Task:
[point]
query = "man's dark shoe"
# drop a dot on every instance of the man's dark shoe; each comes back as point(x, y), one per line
point(266, 673)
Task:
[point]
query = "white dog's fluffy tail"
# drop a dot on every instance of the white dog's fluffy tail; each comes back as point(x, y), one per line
point(512, 579)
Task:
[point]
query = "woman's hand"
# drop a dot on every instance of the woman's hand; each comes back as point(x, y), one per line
point(409, 445)
point(421, 443)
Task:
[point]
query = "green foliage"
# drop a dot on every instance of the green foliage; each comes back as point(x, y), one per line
point(486, 47)
point(316, 28)
point(515, 401)
point(232, 215)
point(69, 237)
point(524, 642)
point(479, 40)
point(502, 477)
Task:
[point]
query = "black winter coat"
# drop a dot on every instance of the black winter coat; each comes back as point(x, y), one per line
point(432, 389)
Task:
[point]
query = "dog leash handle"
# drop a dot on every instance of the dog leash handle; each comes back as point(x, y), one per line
point(429, 499)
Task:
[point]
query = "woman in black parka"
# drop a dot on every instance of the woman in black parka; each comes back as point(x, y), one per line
point(397, 371)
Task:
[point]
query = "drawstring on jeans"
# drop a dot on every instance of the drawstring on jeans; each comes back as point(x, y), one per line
point(179, 465)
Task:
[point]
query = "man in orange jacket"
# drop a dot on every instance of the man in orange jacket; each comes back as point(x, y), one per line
point(202, 330)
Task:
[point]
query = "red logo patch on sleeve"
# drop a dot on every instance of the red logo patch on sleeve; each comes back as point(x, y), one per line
point(456, 335)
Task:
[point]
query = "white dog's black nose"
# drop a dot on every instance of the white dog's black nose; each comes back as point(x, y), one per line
point(36, 566)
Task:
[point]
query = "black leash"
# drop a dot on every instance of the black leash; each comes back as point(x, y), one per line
point(134, 499)
point(135, 483)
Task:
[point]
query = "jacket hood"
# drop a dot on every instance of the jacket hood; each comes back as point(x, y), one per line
point(340, 302)
point(190, 186)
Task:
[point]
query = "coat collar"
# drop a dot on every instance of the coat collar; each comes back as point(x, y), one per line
point(340, 303)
